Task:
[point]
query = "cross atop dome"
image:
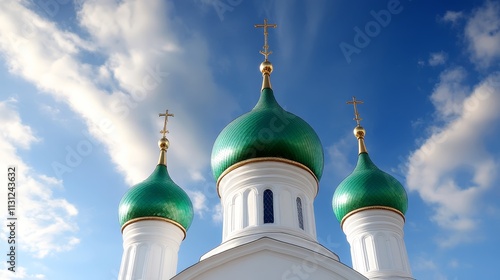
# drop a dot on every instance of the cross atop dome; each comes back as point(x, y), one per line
point(355, 102)
point(358, 131)
point(266, 51)
point(266, 67)
point(163, 143)
point(166, 115)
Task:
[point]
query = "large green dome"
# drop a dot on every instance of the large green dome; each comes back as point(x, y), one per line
point(368, 186)
point(267, 131)
point(157, 196)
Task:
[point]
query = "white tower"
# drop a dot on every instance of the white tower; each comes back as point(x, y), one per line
point(155, 215)
point(370, 206)
point(267, 164)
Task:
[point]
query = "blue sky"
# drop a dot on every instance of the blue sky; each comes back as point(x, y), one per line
point(82, 85)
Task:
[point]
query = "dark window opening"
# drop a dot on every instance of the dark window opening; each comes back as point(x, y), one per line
point(299, 212)
point(268, 207)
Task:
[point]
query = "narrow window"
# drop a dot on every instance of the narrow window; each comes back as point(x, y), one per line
point(299, 212)
point(268, 207)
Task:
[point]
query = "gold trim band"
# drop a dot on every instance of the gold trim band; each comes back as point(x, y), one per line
point(369, 208)
point(244, 162)
point(155, 219)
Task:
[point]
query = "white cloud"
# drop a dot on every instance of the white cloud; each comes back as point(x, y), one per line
point(454, 263)
point(428, 265)
point(425, 264)
point(449, 93)
point(453, 16)
point(339, 154)
point(199, 201)
point(50, 180)
point(12, 129)
point(482, 33)
point(53, 112)
point(313, 14)
point(454, 167)
point(437, 58)
point(21, 273)
point(149, 63)
point(217, 213)
point(47, 224)
point(197, 176)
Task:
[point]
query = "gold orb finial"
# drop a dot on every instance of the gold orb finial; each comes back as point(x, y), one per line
point(163, 143)
point(266, 67)
point(359, 132)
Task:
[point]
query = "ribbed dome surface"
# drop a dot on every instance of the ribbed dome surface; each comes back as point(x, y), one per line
point(267, 131)
point(157, 196)
point(368, 186)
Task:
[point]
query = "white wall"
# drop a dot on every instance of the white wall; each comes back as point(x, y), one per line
point(150, 250)
point(242, 192)
point(269, 259)
point(378, 250)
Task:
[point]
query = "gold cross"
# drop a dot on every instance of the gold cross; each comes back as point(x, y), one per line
point(166, 115)
point(356, 114)
point(266, 53)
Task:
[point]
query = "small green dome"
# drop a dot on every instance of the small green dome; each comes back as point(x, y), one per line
point(267, 131)
point(368, 186)
point(157, 196)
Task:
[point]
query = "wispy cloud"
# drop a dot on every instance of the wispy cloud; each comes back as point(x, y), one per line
point(338, 156)
point(147, 62)
point(48, 222)
point(315, 14)
point(298, 38)
point(217, 213)
point(13, 131)
point(437, 58)
point(21, 273)
point(449, 93)
point(199, 201)
point(430, 267)
point(454, 167)
point(453, 16)
point(482, 33)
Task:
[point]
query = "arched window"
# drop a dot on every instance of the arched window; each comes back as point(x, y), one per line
point(268, 207)
point(299, 212)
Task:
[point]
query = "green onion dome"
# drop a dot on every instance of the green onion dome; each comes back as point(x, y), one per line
point(368, 187)
point(267, 131)
point(157, 197)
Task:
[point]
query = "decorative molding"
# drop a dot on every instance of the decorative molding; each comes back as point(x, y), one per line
point(155, 219)
point(261, 159)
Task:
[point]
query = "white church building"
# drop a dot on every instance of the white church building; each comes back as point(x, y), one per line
point(267, 164)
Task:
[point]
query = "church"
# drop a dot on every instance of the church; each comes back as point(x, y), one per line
point(267, 164)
